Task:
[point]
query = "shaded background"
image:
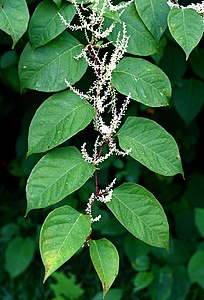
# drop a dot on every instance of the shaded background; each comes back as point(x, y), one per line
point(145, 272)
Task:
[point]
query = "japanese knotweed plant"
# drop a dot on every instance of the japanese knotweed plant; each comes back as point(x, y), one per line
point(54, 60)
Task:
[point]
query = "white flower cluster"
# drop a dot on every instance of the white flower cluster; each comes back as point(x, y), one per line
point(101, 94)
point(199, 7)
point(103, 196)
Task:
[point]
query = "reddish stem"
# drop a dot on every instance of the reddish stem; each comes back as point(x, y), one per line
point(96, 173)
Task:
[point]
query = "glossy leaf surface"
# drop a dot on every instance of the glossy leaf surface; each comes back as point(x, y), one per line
point(141, 42)
point(186, 27)
point(62, 234)
point(58, 119)
point(141, 214)
point(105, 259)
point(143, 81)
point(46, 24)
point(151, 145)
point(14, 17)
point(58, 174)
point(154, 15)
point(46, 68)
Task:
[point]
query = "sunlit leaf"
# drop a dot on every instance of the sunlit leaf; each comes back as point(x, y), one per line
point(62, 234)
point(186, 27)
point(14, 17)
point(105, 259)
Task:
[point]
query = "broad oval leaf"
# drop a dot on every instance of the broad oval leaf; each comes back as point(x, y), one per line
point(145, 82)
point(46, 67)
point(188, 99)
point(18, 256)
point(45, 23)
point(196, 268)
point(154, 15)
point(141, 42)
point(14, 17)
point(151, 145)
point(58, 174)
point(105, 259)
point(197, 62)
point(62, 234)
point(142, 280)
point(58, 119)
point(141, 214)
point(199, 220)
point(186, 27)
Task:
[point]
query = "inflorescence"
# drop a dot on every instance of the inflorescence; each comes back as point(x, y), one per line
point(101, 94)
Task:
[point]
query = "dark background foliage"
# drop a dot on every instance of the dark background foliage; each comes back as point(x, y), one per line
point(176, 275)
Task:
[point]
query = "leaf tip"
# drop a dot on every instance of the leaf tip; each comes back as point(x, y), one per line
point(105, 290)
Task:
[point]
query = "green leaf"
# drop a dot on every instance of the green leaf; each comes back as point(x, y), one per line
point(19, 254)
point(196, 268)
point(141, 214)
point(58, 174)
point(186, 27)
point(46, 67)
point(141, 42)
point(141, 263)
point(151, 145)
point(110, 14)
point(188, 99)
point(58, 2)
point(115, 293)
point(8, 59)
point(58, 119)
point(181, 284)
point(62, 234)
point(66, 286)
point(173, 62)
point(145, 82)
point(105, 259)
point(142, 280)
point(161, 287)
point(197, 62)
point(45, 23)
point(154, 15)
point(14, 17)
point(199, 220)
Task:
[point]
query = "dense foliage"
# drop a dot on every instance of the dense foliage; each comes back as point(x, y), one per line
point(158, 49)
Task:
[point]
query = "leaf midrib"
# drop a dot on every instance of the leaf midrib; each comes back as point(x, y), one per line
point(149, 149)
point(51, 20)
point(53, 60)
point(59, 178)
point(12, 29)
point(139, 219)
point(59, 123)
point(142, 80)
